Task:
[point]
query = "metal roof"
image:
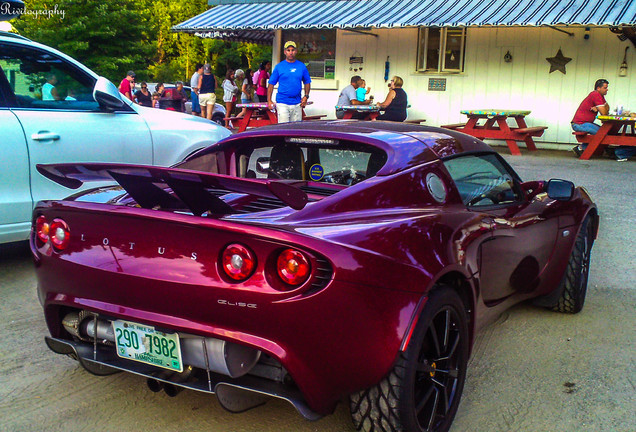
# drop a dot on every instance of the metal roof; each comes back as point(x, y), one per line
point(364, 14)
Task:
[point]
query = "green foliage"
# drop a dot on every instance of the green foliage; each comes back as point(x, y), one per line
point(109, 37)
point(112, 37)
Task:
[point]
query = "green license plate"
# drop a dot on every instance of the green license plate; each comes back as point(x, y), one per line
point(147, 345)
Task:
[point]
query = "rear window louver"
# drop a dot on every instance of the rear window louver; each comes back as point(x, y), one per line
point(261, 204)
point(319, 191)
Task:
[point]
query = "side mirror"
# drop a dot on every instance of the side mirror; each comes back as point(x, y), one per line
point(262, 165)
point(560, 190)
point(108, 97)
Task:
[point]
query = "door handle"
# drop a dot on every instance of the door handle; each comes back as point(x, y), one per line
point(45, 136)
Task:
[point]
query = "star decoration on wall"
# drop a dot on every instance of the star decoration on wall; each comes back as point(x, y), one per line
point(558, 62)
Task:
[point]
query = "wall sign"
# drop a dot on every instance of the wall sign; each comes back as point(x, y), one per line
point(437, 84)
point(330, 68)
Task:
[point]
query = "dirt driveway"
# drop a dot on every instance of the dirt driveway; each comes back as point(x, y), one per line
point(532, 370)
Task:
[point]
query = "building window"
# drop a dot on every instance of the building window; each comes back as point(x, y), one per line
point(316, 48)
point(441, 49)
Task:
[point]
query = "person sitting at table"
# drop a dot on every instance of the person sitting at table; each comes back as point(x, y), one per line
point(585, 115)
point(362, 91)
point(348, 97)
point(396, 101)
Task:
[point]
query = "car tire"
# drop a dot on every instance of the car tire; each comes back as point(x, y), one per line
point(425, 376)
point(218, 119)
point(574, 284)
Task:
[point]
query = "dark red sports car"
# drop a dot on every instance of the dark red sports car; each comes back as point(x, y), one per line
point(310, 262)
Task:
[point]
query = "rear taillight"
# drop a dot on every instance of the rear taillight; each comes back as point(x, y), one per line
point(59, 234)
point(238, 262)
point(293, 267)
point(42, 229)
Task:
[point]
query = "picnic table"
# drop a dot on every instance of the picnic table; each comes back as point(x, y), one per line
point(615, 130)
point(492, 124)
point(371, 111)
point(258, 114)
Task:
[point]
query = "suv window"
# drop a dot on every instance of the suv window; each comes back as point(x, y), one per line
point(482, 180)
point(41, 80)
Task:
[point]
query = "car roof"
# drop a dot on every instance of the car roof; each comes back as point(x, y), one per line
point(6, 34)
point(407, 145)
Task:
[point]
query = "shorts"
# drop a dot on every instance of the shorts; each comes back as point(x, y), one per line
point(207, 99)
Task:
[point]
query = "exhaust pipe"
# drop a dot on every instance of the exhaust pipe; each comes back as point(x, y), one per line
point(155, 384)
point(172, 390)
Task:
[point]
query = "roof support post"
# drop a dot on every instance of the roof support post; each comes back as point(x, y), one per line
point(276, 44)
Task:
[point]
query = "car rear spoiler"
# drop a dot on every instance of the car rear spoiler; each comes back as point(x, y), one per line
point(190, 187)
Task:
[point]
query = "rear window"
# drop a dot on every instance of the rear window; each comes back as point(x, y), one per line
point(306, 159)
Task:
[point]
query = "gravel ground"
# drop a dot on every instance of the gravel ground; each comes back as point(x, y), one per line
point(531, 370)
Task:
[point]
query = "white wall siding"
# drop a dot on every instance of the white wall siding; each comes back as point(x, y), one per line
point(489, 82)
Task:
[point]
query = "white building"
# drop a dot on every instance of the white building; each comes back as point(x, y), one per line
point(493, 52)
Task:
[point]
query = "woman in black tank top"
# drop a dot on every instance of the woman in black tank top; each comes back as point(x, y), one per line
point(207, 86)
point(396, 101)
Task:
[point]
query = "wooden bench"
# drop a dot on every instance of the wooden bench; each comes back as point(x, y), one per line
point(534, 131)
point(415, 121)
point(582, 137)
point(454, 126)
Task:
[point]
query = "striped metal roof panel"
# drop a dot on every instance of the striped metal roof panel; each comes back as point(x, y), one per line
point(408, 13)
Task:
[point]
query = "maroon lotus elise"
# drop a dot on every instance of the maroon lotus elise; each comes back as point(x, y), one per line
point(311, 262)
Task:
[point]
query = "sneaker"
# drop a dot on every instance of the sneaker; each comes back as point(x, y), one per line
point(621, 159)
point(577, 151)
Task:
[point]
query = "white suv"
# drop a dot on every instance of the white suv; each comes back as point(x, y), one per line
point(85, 119)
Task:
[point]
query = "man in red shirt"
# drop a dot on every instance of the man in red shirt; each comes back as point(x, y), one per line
point(124, 86)
point(585, 115)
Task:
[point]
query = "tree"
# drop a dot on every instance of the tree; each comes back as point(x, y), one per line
point(114, 37)
point(109, 37)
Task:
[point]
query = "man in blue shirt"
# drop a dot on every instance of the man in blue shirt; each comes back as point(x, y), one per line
point(289, 74)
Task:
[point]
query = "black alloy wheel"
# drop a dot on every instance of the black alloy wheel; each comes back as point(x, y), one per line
point(574, 284)
point(423, 390)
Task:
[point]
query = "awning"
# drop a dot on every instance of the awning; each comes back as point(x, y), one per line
point(257, 36)
point(365, 14)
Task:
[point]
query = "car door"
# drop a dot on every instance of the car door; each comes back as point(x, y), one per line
point(523, 233)
point(52, 99)
point(15, 191)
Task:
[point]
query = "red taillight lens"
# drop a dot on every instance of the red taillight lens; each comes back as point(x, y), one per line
point(59, 234)
point(238, 262)
point(293, 267)
point(42, 229)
